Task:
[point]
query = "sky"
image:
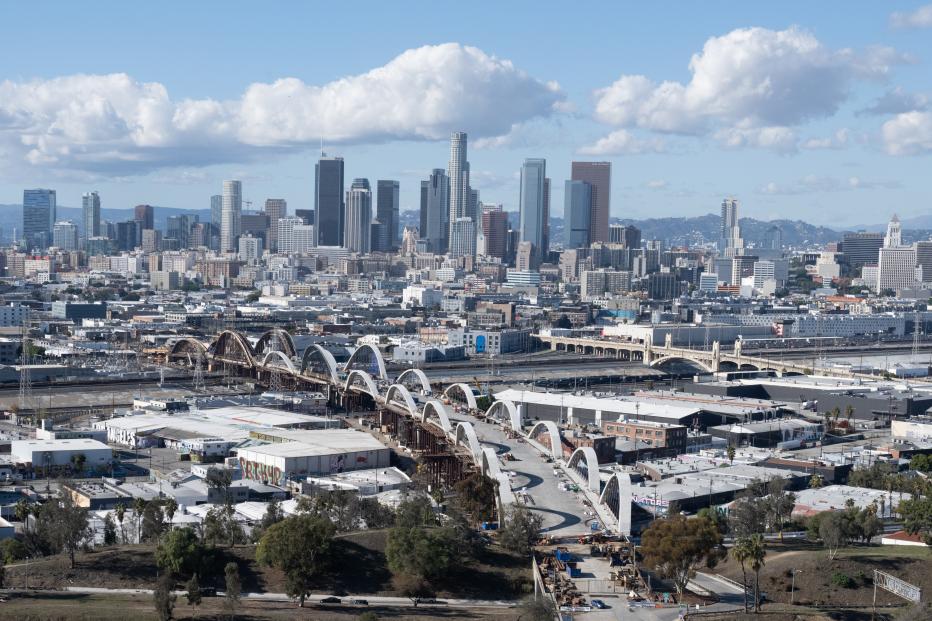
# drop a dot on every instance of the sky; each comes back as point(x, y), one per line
point(802, 110)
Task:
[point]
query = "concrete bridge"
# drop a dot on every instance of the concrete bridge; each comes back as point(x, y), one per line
point(710, 361)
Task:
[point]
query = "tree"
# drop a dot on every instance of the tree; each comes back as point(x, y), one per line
point(757, 550)
point(12, 550)
point(748, 516)
point(110, 535)
point(220, 479)
point(520, 530)
point(170, 508)
point(717, 516)
point(62, 525)
point(301, 547)
point(180, 552)
point(415, 510)
point(220, 525)
point(475, 497)
point(730, 451)
point(234, 588)
point(194, 593)
point(741, 552)
point(417, 556)
point(120, 511)
point(815, 481)
point(921, 463)
point(835, 531)
point(273, 515)
point(676, 546)
point(77, 462)
point(536, 609)
point(164, 597)
point(139, 505)
point(780, 504)
point(153, 522)
point(563, 322)
point(917, 516)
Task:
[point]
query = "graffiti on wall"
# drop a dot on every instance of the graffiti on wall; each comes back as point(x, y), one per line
point(262, 472)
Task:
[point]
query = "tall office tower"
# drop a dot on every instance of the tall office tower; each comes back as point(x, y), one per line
point(861, 249)
point(896, 268)
point(631, 237)
point(577, 200)
point(199, 235)
point(472, 209)
point(275, 209)
point(524, 258)
point(329, 208)
point(387, 213)
point(230, 215)
point(179, 228)
point(773, 238)
point(531, 205)
point(305, 214)
point(599, 176)
point(39, 214)
point(462, 237)
point(729, 224)
point(545, 241)
point(409, 239)
point(294, 236)
point(65, 236)
point(460, 195)
point(127, 235)
point(894, 237)
point(495, 230)
point(250, 248)
point(435, 210)
point(216, 211)
point(151, 240)
point(90, 214)
point(358, 216)
point(924, 259)
point(256, 224)
point(145, 215)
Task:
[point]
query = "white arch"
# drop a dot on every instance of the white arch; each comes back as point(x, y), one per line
point(328, 359)
point(491, 468)
point(514, 418)
point(274, 357)
point(617, 498)
point(420, 375)
point(592, 466)
point(367, 380)
point(379, 361)
point(551, 428)
point(659, 361)
point(467, 394)
point(466, 436)
point(400, 389)
point(440, 411)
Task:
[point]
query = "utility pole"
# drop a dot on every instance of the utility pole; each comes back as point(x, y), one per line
point(25, 379)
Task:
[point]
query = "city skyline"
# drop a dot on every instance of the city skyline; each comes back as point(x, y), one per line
point(826, 154)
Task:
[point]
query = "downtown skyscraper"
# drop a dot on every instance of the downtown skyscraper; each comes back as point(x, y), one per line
point(90, 214)
point(275, 210)
point(532, 205)
point(385, 237)
point(359, 217)
point(460, 198)
point(39, 215)
point(435, 211)
point(329, 208)
point(599, 177)
point(230, 215)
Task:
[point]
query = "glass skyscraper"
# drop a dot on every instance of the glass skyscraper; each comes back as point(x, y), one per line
point(329, 208)
point(39, 215)
point(531, 203)
point(90, 214)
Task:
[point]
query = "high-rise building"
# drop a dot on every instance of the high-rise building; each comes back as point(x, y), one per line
point(545, 241)
point(255, 224)
point(731, 243)
point(230, 215)
point(577, 202)
point(179, 228)
point(90, 214)
point(358, 217)
point(495, 230)
point(145, 215)
point(435, 210)
point(39, 214)
point(924, 259)
point(151, 240)
point(524, 257)
point(462, 237)
point(65, 235)
point(894, 236)
point(531, 204)
point(599, 176)
point(275, 210)
point(128, 234)
point(250, 248)
point(460, 196)
point(329, 208)
point(861, 249)
point(294, 236)
point(896, 266)
point(387, 206)
point(305, 214)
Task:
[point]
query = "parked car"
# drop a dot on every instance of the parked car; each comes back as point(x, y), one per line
point(331, 600)
point(360, 602)
point(599, 604)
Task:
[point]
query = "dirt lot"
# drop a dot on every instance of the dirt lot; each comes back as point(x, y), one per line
point(814, 583)
point(74, 607)
point(360, 568)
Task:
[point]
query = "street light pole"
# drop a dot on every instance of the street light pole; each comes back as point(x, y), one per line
point(793, 584)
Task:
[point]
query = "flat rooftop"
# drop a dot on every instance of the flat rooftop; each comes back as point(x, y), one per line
point(321, 442)
point(834, 497)
point(622, 406)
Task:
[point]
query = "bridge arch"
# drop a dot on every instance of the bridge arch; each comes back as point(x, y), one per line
point(320, 360)
point(616, 496)
point(513, 416)
point(278, 359)
point(283, 342)
point(369, 359)
point(370, 388)
point(418, 375)
point(587, 455)
point(491, 468)
point(466, 436)
point(665, 359)
point(461, 390)
point(399, 390)
point(439, 410)
point(551, 429)
point(186, 349)
point(233, 346)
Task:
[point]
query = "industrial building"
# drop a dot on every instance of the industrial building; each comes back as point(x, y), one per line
point(48, 457)
point(788, 433)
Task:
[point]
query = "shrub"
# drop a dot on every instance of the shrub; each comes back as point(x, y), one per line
point(842, 580)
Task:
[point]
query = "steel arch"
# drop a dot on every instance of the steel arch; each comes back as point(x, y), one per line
point(186, 347)
point(270, 360)
point(400, 389)
point(285, 342)
point(229, 338)
point(587, 453)
point(468, 394)
point(377, 356)
point(555, 439)
point(419, 375)
point(313, 352)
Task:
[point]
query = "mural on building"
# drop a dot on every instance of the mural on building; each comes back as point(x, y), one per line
point(262, 472)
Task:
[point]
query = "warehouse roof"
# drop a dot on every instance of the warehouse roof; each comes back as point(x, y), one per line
point(320, 442)
point(618, 405)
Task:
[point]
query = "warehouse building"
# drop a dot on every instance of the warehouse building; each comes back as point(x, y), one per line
point(50, 457)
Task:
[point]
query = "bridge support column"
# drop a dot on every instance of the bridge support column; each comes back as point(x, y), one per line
point(716, 356)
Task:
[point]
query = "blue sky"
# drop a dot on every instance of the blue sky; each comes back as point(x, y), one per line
point(817, 111)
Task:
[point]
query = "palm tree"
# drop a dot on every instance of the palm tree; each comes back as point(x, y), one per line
point(741, 552)
point(849, 411)
point(120, 511)
point(757, 551)
point(139, 505)
point(171, 506)
point(731, 453)
point(22, 510)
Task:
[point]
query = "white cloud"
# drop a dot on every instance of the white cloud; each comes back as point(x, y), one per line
point(811, 184)
point(116, 124)
point(896, 101)
point(623, 142)
point(920, 18)
point(839, 140)
point(749, 87)
point(657, 184)
point(909, 133)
